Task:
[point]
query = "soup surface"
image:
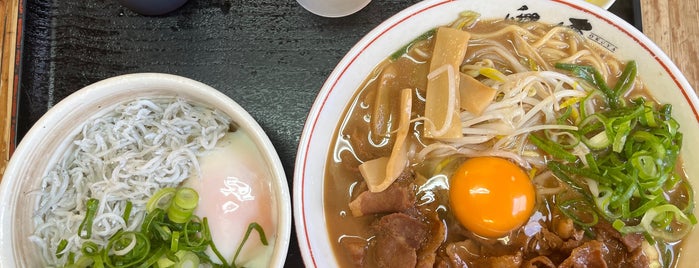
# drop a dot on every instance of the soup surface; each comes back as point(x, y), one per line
point(495, 143)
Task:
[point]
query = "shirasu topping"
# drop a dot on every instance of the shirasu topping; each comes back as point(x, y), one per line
point(126, 155)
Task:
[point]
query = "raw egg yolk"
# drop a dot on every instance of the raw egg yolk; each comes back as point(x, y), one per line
point(491, 196)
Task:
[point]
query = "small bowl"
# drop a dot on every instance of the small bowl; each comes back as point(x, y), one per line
point(152, 7)
point(660, 75)
point(333, 8)
point(48, 138)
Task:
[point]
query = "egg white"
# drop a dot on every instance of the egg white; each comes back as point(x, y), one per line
point(235, 190)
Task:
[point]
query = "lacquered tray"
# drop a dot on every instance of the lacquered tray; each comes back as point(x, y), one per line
point(270, 56)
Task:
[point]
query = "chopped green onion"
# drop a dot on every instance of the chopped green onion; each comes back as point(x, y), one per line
point(186, 259)
point(557, 170)
point(175, 241)
point(648, 118)
point(622, 131)
point(630, 168)
point(618, 224)
point(152, 219)
point(161, 199)
point(565, 116)
point(644, 163)
point(163, 231)
point(82, 262)
point(656, 222)
point(585, 172)
point(196, 234)
point(591, 162)
point(626, 80)
point(61, 247)
point(154, 258)
point(213, 246)
point(71, 257)
point(552, 148)
point(591, 75)
point(127, 212)
point(253, 226)
point(648, 205)
point(183, 204)
point(128, 248)
point(593, 127)
point(89, 248)
point(85, 228)
point(164, 240)
point(165, 262)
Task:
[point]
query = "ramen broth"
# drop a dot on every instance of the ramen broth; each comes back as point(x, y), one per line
point(359, 139)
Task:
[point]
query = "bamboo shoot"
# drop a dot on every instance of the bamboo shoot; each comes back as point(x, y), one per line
point(380, 173)
point(381, 115)
point(475, 96)
point(442, 101)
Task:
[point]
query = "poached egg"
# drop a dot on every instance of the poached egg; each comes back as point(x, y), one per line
point(235, 189)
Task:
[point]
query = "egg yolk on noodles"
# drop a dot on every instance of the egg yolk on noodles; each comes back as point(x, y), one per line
point(491, 196)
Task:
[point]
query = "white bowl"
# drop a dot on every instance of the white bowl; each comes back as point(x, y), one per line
point(660, 75)
point(152, 7)
point(46, 140)
point(333, 8)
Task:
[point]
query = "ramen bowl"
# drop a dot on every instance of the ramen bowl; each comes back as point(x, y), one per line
point(55, 131)
point(659, 74)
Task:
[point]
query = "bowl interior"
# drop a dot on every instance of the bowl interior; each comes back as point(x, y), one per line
point(660, 75)
point(52, 134)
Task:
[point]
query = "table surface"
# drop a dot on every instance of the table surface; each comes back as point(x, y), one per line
point(9, 13)
point(270, 56)
point(673, 26)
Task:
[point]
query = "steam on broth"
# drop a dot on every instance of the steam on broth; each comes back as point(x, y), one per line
point(492, 142)
point(127, 189)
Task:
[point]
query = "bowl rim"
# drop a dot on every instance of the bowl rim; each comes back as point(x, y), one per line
point(311, 123)
point(238, 115)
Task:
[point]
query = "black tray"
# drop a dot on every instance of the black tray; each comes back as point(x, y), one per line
point(270, 56)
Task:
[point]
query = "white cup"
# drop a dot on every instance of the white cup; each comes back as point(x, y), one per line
point(333, 8)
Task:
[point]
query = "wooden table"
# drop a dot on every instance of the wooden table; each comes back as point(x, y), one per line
point(8, 44)
point(674, 27)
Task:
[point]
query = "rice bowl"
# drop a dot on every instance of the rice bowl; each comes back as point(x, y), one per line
point(45, 143)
